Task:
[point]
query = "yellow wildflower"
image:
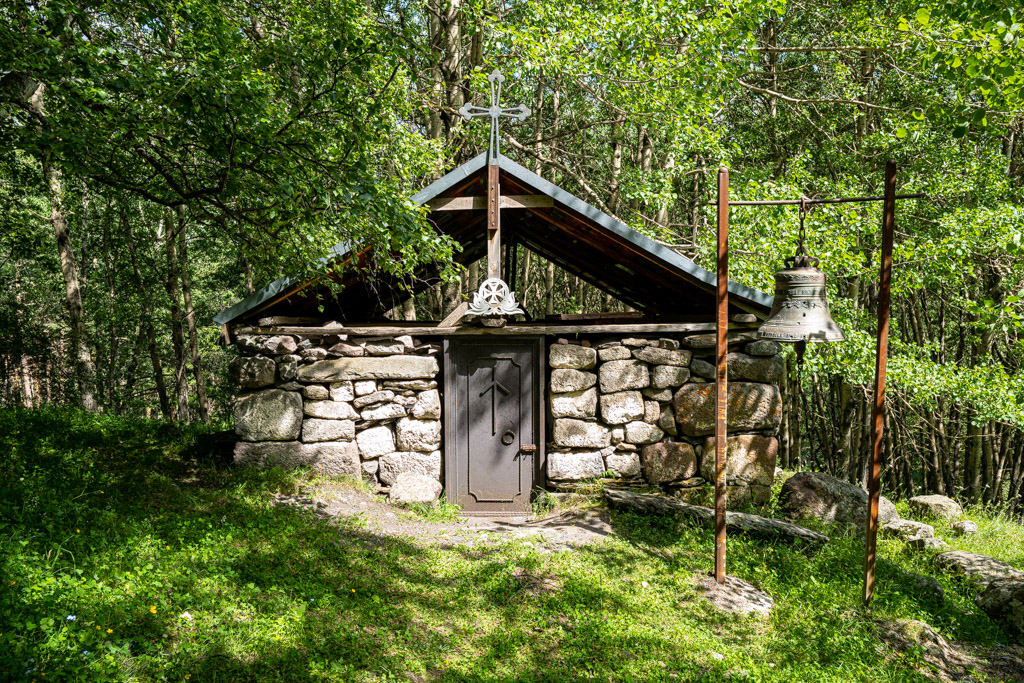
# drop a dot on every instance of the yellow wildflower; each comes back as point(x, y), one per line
point(110, 630)
point(152, 609)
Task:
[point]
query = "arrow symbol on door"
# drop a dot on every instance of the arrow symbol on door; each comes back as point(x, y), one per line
point(494, 387)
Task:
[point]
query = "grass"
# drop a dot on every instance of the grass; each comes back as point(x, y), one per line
point(129, 551)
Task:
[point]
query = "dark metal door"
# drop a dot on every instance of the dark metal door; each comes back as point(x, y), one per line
point(492, 424)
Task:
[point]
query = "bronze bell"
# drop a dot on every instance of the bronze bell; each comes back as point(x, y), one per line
point(800, 312)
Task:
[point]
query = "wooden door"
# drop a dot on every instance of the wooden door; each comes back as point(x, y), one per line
point(492, 423)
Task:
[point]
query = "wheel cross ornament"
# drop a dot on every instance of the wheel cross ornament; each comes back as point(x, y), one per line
point(494, 298)
point(495, 112)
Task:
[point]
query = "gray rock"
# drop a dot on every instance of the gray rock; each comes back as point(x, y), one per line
point(749, 459)
point(769, 370)
point(564, 466)
point(329, 410)
point(314, 429)
point(278, 345)
point(622, 407)
point(383, 347)
point(636, 342)
point(252, 373)
point(336, 458)
point(406, 340)
point(618, 435)
point(313, 353)
point(566, 380)
point(289, 386)
point(375, 397)
point(623, 464)
point(1003, 602)
point(620, 375)
point(926, 585)
point(364, 387)
point(661, 395)
point(614, 353)
point(370, 367)
point(763, 347)
point(571, 356)
point(394, 464)
point(963, 528)
point(347, 350)
point(427, 405)
point(667, 343)
point(574, 403)
point(270, 415)
point(668, 462)
point(659, 356)
point(939, 507)
point(414, 488)
point(287, 371)
point(411, 384)
point(642, 433)
point(815, 494)
point(707, 341)
point(926, 543)
point(907, 529)
point(387, 411)
point(316, 392)
point(342, 391)
point(663, 376)
point(751, 407)
point(369, 470)
point(979, 568)
point(571, 433)
point(667, 420)
point(329, 458)
point(418, 435)
point(702, 368)
point(652, 412)
point(735, 596)
point(375, 442)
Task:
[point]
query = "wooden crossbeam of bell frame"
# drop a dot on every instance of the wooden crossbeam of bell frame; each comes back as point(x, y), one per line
point(512, 201)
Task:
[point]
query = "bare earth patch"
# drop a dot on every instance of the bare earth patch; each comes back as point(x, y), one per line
point(950, 661)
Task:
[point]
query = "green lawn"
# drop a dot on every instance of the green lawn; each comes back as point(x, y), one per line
point(127, 553)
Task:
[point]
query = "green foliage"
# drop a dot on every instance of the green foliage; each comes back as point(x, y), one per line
point(128, 553)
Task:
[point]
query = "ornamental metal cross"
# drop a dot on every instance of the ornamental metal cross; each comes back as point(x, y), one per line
point(495, 112)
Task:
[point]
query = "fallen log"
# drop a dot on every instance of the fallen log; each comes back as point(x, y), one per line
point(752, 525)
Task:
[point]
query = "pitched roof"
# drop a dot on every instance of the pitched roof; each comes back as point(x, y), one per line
point(576, 236)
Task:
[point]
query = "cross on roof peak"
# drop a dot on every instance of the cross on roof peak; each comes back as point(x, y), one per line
point(495, 112)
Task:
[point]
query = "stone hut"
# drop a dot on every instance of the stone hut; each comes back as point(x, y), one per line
point(492, 414)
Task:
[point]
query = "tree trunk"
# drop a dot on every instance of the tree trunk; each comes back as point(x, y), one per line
point(190, 319)
point(181, 412)
point(147, 325)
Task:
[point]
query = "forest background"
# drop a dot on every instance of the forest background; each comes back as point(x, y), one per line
point(160, 159)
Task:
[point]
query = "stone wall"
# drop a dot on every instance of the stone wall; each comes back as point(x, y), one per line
point(363, 407)
point(644, 409)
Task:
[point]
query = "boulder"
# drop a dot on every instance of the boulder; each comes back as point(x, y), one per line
point(749, 459)
point(566, 466)
point(364, 387)
point(664, 376)
point(660, 395)
point(769, 370)
point(287, 370)
point(394, 464)
point(620, 375)
point(313, 354)
point(314, 429)
point(341, 391)
point(833, 501)
point(373, 397)
point(574, 403)
point(387, 411)
point(763, 347)
point(427, 406)
point(668, 462)
point(369, 470)
point(636, 342)
point(347, 350)
point(751, 407)
point(411, 385)
point(667, 419)
point(329, 410)
point(252, 373)
point(927, 543)
point(659, 356)
point(964, 527)
point(329, 458)
point(410, 487)
point(642, 432)
point(375, 442)
point(571, 356)
point(976, 567)
point(567, 380)
point(936, 506)
point(571, 433)
point(708, 341)
point(383, 347)
point(623, 464)
point(316, 392)
point(702, 368)
point(907, 529)
point(418, 435)
point(1003, 602)
point(370, 367)
point(270, 415)
point(614, 353)
point(622, 407)
point(652, 412)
